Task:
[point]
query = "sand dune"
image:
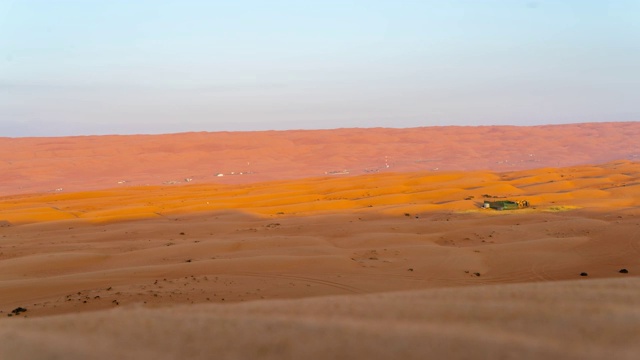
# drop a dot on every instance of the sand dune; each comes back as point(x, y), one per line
point(392, 262)
point(29, 165)
point(614, 184)
point(593, 319)
point(93, 250)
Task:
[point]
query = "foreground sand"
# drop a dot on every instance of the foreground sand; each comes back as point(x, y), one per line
point(160, 265)
point(593, 319)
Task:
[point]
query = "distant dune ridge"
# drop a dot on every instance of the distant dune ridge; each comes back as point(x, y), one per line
point(349, 243)
point(95, 162)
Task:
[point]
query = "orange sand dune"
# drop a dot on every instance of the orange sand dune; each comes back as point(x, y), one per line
point(383, 232)
point(66, 164)
point(615, 184)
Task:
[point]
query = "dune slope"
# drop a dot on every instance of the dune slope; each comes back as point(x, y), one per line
point(570, 320)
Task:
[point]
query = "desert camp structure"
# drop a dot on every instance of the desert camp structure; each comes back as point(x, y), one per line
point(506, 204)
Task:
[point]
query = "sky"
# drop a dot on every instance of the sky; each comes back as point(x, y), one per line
point(157, 66)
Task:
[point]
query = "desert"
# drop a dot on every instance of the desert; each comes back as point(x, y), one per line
point(75, 163)
point(345, 243)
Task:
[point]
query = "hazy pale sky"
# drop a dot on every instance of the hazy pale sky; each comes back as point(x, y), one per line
point(157, 66)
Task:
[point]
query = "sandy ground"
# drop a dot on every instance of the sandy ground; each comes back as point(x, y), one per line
point(379, 265)
point(592, 319)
